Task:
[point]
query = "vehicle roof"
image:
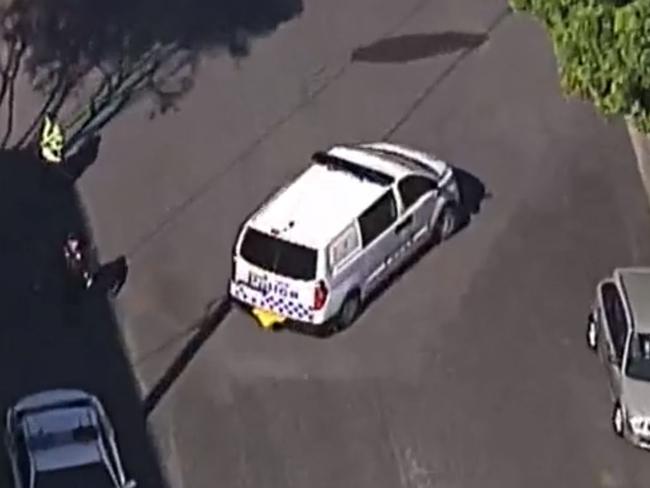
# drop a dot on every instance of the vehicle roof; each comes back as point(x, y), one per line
point(321, 202)
point(636, 286)
point(49, 437)
point(414, 159)
point(370, 159)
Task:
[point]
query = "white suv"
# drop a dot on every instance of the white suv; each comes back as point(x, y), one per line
point(319, 246)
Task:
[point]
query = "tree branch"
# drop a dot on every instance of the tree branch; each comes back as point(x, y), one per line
point(4, 75)
point(24, 139)
point(11, 82)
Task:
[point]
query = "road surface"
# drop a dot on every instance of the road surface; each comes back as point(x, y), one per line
point(471, 370)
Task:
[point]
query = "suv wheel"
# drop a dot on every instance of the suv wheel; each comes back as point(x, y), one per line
point(348, 312)
point(446, 223)
point(617, 420)
point(592, 333)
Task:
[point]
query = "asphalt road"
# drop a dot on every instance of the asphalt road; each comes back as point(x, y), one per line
point(471, 370)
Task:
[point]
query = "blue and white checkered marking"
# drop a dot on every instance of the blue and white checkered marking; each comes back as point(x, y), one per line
point(281, 305)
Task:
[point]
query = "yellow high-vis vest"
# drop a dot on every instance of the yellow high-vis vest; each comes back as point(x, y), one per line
point(52, 141)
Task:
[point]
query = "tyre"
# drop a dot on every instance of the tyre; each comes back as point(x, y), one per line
point(447, 223)
point(592, 333)
point(348, 312)
point(618, 421)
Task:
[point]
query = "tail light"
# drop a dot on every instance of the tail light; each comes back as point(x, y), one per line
point(320, 295)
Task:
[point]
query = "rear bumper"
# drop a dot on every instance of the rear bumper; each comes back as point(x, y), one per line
point(294, 312)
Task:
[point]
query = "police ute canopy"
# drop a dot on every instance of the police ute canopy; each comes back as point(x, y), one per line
point(316, 249)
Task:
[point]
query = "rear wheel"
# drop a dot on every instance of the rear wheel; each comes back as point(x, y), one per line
point(348, 312)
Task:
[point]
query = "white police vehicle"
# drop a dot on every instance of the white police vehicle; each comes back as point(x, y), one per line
point(319, 246)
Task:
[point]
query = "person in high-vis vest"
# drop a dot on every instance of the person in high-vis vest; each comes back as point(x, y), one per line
point(52, 141)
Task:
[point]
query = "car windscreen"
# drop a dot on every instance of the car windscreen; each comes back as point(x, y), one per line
point(50, 440)
point(77, 403)
point(91, 475)
point(638, 363)
point(279, 256)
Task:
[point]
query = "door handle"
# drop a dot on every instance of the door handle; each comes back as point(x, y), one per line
point(404, 224)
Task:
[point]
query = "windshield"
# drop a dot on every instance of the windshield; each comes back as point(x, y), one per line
point(638, 362)
point(92, 475)
point(279, 256)
point(50, 440)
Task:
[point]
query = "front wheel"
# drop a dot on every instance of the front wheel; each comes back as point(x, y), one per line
point(618, 420)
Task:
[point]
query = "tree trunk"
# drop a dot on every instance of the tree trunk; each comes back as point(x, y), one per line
point(641, 145)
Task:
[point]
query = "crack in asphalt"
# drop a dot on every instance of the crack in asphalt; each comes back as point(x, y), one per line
point(176, 211)
point(431, 88)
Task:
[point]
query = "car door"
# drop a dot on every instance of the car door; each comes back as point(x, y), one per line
point(378, 240)
point(418, 195)
point(616, 328)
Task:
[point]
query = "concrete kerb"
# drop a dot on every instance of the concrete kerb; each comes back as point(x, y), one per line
point(641, 146)
point(118, 319)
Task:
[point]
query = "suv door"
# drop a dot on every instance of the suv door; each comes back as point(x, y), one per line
point(378, 239)
point(616, 329)
point(418, 195)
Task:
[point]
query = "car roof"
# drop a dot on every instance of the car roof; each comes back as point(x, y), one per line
point(635, 283)
point(323, 200)
point(61, 436)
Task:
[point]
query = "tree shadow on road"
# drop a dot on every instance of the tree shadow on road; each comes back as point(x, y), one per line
point(92, 59)
point(46, 339)
point(413, 47)
point(472, 194)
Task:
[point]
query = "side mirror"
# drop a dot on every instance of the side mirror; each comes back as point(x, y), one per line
point(130, 484)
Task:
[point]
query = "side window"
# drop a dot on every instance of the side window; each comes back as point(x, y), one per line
point(378, 218)
point(346, 243)
point(615, 315)
point(411, 188)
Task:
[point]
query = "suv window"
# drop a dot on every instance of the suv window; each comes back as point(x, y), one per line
point(378, 217)
point(279, 256)
point(615, 315)
point(411, 188)
point(344, 245)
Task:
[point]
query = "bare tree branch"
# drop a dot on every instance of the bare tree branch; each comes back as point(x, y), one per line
point(11, 83)
point(4, 75)
point(27, 135)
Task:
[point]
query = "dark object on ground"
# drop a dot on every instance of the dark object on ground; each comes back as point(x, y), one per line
point(113, 275)
point(412, 47)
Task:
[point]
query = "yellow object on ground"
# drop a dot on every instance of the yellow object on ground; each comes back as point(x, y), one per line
point(266, 318)
point(52, 141)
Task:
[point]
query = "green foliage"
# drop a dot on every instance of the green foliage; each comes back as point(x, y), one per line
point(603, 52)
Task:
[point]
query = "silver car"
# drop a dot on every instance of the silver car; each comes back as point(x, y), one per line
point(619, 331)
point(63, 438)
